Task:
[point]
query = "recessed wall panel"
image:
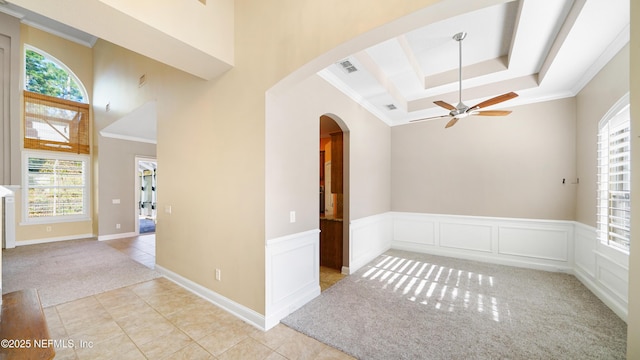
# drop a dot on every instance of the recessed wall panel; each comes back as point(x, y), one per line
point(465, 236)
point(548, 244)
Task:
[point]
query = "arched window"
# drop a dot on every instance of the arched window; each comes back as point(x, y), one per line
point(56, 119)
point(56, 109)
point(614, 176)
point(46, 75)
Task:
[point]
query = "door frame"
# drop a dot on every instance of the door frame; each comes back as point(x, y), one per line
point(138, 160)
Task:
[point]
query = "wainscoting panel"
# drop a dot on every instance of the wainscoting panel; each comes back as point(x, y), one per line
point(369, 237)
point(613, 277)
point(585, 250)
point(417, 230)
point(542, 243)
point(539, 244)
point(292, 274)
point(566, 246)
point(466, 236)
point(605, 271)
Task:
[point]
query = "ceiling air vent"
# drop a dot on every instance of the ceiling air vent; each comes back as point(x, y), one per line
point(347, 66)
point(391, 106)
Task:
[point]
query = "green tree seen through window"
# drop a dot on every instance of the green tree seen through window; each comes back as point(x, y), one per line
point(45, 77)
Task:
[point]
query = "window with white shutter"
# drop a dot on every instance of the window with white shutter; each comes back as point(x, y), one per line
point(614, 178)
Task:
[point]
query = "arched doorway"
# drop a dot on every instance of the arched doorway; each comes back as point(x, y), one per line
point(334, 228)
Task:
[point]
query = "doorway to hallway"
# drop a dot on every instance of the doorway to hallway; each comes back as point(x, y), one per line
point(334, 238)
point(146, 192)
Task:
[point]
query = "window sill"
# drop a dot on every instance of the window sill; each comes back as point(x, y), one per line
point(55, 221)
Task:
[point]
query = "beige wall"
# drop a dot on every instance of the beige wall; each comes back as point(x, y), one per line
point(221, 124)
point(221, 224)
point(10, 141)
point(592, 103)
point(292, 157)
point(118, 172)
point(633, 320)
point(167, 30)
point(489, 166)
point(79, 59)
point(206, 27)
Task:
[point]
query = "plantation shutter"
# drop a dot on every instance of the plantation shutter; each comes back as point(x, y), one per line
point(614, 181)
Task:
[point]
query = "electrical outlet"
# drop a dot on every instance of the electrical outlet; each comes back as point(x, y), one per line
point(292, 216)
point(117, 226)
point(218, 275)
point(48, 228)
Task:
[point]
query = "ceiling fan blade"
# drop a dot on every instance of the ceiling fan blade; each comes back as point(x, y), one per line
point(451, 123)
point(496, 100)
point(492, 113)
point(444, 105)
point(430, 118)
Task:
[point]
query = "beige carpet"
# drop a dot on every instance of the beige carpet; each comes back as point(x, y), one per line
point(69, 270)
point(415, 306)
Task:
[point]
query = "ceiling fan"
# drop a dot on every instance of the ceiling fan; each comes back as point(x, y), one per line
point(461, 110)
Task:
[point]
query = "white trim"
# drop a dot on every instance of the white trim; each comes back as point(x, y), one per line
point(591, 259)
point(86, 159)
point(238, 310)
point(117, 236)
point(292, 274)
point(500, 240)
point(368, 238)
point(54, 239)
point(356, 97)
point(612, 50)
point(8, 211)
point(568, 247)
point(561, 246)
point(136, 189)
point(128, 138)
point(61, 34)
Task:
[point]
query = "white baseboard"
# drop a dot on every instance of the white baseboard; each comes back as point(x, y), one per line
point(250, 316)
point(116, 236)
point(54, 239)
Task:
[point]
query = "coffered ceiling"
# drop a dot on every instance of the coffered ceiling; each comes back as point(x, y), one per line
point(540, 49)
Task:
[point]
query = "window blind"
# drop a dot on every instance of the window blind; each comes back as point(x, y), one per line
point(55, 124)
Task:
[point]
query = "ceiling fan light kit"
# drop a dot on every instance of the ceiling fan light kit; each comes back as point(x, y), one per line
point(461, 110)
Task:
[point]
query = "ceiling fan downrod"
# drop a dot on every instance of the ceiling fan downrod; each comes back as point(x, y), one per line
point(461, 110)
point(459, 37)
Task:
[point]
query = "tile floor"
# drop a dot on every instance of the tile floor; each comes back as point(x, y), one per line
point(140, 248)
point(158, 319)
point(328, 277)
